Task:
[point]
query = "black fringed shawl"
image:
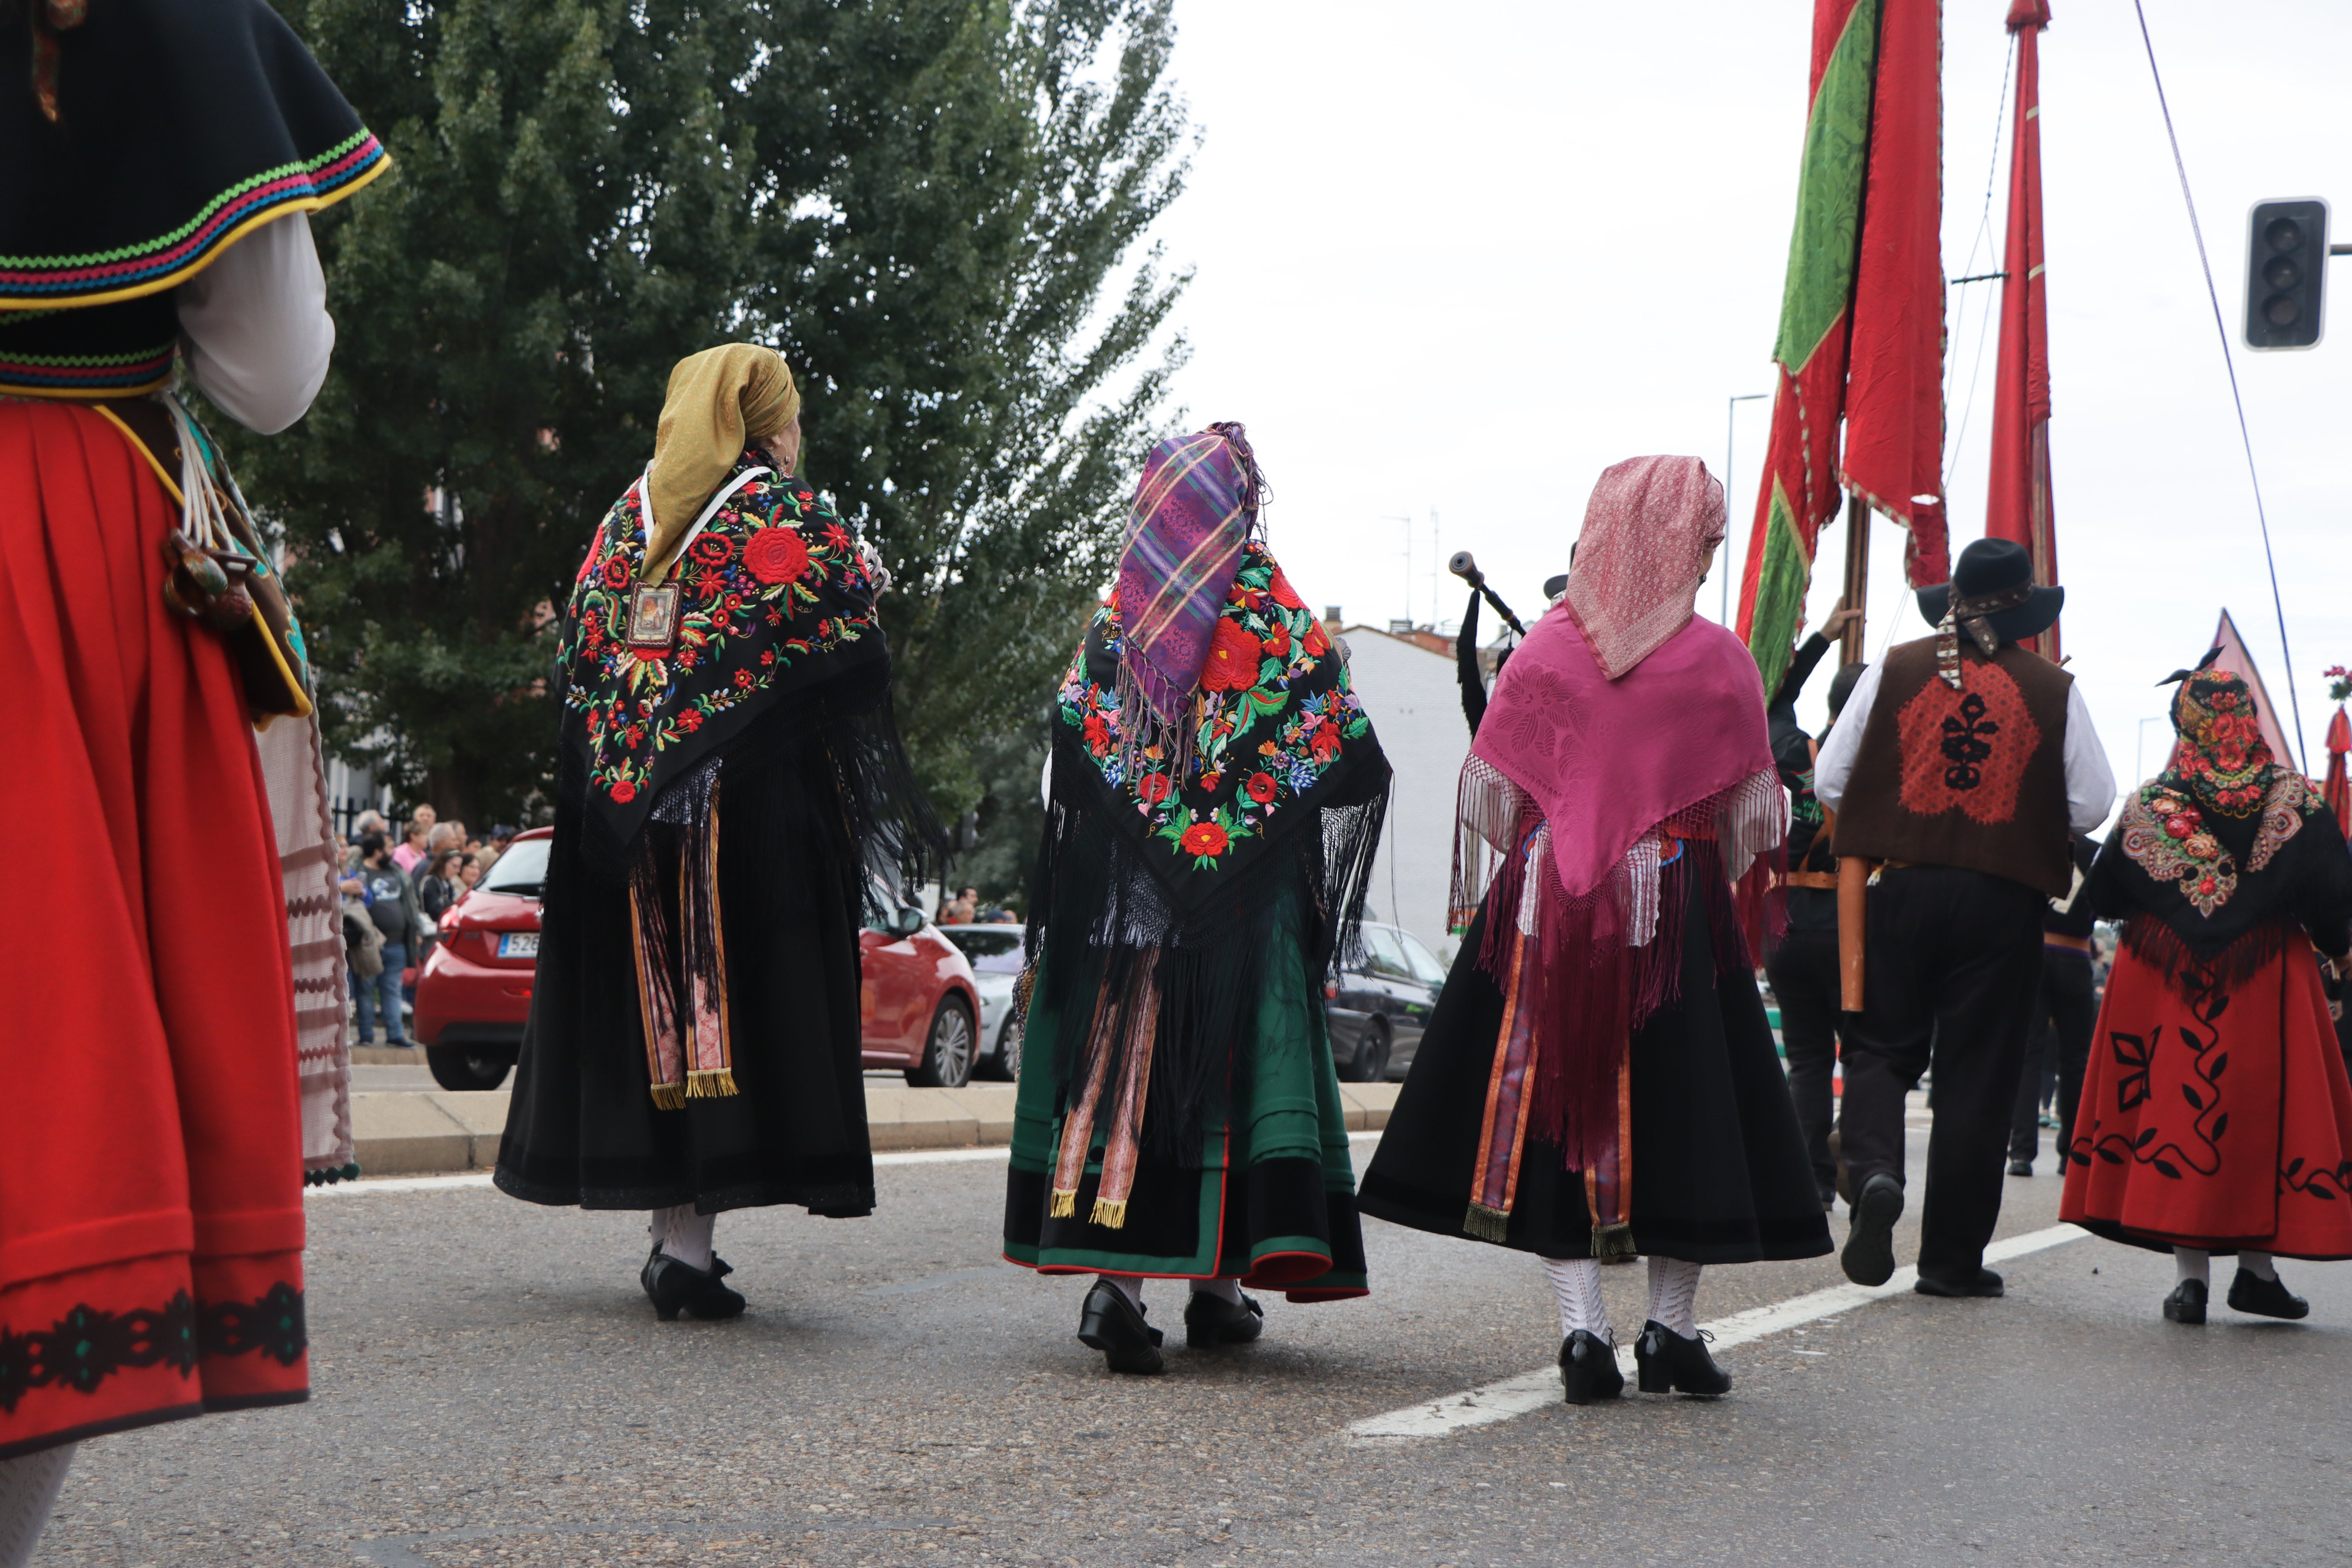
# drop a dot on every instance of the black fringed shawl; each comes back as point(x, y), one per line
point(777, 633)
point(1148, 882)
point(2192, 896)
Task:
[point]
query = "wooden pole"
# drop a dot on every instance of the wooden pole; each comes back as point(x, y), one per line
point(1857, 578)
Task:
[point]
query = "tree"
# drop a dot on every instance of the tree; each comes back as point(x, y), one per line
point(932, 209)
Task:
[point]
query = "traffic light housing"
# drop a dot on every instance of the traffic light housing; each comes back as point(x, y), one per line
point(2286, 274)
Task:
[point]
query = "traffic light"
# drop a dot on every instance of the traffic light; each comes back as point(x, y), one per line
point(2286, 274)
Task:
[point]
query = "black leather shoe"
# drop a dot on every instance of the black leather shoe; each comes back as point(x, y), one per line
point(2021, 1167)
point(1587, 1368)
point(675, 1287)
point(2187, 1302)
point(1869, 1255)
point(1986, 1283)
point(1211, 1321)
point(1666, 1363)
point(1114, 1325)
point(2250, 1292)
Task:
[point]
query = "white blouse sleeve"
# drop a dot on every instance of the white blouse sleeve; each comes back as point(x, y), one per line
point(258, 335)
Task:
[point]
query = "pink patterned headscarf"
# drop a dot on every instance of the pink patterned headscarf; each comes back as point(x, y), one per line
point(1650, 530)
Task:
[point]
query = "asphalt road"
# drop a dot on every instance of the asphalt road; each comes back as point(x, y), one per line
point(492, 1388)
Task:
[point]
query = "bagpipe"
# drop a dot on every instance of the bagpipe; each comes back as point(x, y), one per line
point(1465, 643)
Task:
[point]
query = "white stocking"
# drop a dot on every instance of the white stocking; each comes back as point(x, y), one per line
point(2257, 1264)
point(684, 1235)
point(1577, 1282)
point(1674, 1295)
point(28, 1487)
point(2191, 1263)
point(1128, 1285)
point(1228, 1291)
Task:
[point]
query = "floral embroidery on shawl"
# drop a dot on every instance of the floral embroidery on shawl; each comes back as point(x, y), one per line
point(773, 580)
point(1275, 714)
point(2164, 833)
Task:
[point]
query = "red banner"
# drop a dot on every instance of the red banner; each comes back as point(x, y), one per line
point(2017, 503)
point(1895, 385)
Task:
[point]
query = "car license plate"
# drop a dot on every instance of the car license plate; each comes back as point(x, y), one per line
point(518, 944)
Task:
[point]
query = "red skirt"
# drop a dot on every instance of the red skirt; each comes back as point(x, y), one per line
point(2215, 1113)
point(150, 1164)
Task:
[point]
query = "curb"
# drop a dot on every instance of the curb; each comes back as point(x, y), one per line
point(417, 1133)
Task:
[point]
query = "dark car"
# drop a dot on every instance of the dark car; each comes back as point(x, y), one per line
point(474, 996)
point(1378, 1006)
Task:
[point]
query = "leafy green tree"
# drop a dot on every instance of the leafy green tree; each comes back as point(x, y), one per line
point(934, 208)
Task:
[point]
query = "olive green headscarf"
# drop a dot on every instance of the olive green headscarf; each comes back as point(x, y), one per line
point(719, 401)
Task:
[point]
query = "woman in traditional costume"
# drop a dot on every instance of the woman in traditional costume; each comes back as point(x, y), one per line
point(167, 1088)
point(1214, 796)
point(733, 794)
point(2215, 1116)
point(1598, 1078)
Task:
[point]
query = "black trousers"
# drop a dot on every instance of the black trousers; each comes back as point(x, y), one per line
point(1953, 959)
point(2065, 1016)
point(1804, 973)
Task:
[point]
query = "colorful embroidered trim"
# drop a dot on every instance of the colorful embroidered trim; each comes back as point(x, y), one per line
point(1503, 1132)
point(89, 1344)
point(128, 271)
point(85, 375)
point(680, 948)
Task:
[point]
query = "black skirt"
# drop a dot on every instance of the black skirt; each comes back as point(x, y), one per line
point(1719, 1172)
point(583, 1128)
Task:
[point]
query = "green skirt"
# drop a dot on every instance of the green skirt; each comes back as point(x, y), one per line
point(1273, 1201)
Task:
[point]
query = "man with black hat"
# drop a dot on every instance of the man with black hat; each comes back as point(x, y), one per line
point(1964, 769)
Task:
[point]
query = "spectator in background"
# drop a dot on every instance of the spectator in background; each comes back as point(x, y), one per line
point(963, 907)
point(446, 838)
point(411, 852)
point(369, 821)
point(469, 873)
point(436, 890)
point(500, 837)
point(391, 899)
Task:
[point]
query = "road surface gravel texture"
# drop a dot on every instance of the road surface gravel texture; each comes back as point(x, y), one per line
point(491, 1388)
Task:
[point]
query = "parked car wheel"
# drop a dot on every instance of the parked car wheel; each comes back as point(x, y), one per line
point(946, 1053)
point(1007, 1060)
point(468, 1066)
point(1372, 1063)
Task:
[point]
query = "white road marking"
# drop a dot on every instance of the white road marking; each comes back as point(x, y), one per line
point(1533, 1391)
point(482, 1178)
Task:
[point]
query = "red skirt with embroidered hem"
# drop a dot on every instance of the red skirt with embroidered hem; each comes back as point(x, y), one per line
point(151, 1164)
point(2215, 1112)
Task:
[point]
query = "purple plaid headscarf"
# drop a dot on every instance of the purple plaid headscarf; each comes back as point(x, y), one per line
point(1193, 509)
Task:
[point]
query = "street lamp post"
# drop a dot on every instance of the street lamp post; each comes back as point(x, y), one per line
point(1730, 409)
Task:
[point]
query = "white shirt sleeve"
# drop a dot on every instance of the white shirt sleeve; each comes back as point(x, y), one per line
point(2090, 781)
point(1833, 764)
point(258, 335)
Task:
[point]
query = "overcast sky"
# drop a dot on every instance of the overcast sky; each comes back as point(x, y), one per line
point(1457, 261)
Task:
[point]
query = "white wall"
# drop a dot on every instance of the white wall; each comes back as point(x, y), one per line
point(1416, 710)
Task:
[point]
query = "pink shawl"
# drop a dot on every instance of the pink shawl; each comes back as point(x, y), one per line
point(1621, 728)
point(1650, 530)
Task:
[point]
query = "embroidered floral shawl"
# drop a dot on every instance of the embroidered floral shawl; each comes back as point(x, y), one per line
point(1274, 730)
point(774, 601)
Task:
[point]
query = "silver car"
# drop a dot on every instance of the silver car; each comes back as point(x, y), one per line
point(994, 952)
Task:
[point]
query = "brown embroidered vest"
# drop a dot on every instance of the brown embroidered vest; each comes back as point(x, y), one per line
point(1974, 778)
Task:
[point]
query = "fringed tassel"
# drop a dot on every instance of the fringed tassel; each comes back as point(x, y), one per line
point(1486, 1224)
point(1108, 1213)
point(1065, 1204)
point(669, 1096)
point(711, 1085)
point(1611, 1242)
point(2192, 975)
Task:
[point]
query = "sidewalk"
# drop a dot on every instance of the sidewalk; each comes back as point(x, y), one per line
point(410, 1132)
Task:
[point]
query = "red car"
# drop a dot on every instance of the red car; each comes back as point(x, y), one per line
point(475, 994)
point(916, 1005)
